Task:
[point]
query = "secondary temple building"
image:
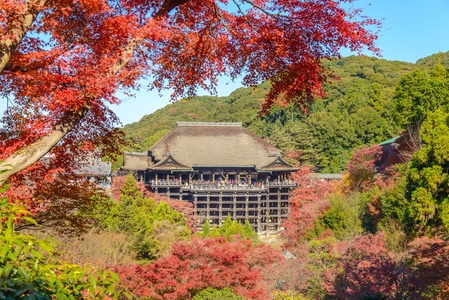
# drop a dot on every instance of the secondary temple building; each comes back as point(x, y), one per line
point(223, 169)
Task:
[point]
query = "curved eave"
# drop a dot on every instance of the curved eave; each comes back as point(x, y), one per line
point(169, 163)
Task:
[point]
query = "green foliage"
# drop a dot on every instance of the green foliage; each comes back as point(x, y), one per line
point(427, 178)
point(154, 227)
point(419, 93)
point(206, 229)
point(213, 294)
point(215, 231)
point(343, 217)
point(29, 268)
point(231, 228)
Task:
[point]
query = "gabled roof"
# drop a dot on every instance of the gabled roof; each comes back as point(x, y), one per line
point(169, 163)
point(275, 164)
point(216, 144)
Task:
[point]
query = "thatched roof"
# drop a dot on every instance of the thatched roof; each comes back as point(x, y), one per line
point(136, 161)
point(208, 144)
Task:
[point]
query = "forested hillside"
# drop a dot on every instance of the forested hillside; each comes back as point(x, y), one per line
point(356, 111)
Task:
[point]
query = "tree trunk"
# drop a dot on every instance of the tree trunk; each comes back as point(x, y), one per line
point(19, 28)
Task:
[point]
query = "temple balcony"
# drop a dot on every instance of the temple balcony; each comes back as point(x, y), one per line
point(220, 186)
point(224, 187)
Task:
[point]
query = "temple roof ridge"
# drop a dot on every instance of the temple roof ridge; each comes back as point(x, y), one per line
point(182, 123)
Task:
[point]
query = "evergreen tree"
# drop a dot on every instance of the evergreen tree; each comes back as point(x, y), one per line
point(206, 229)
point(427, 188)
point(419, 93)
point(249, 233)
point(129, 193)
point(215, 231)
point(226, 226)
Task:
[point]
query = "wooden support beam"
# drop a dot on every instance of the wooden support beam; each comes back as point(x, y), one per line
point(220, 209)
point(208, 206)
point(234, 206)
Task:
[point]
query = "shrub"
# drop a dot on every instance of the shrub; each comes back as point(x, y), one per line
point(29, 269)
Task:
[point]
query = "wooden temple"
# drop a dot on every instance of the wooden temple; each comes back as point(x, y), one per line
point(223, 169)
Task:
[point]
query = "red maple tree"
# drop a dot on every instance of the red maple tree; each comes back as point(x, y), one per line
point(361, 168)
point(307, 203)
point(202, 263)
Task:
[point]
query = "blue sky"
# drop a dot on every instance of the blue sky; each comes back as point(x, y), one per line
point(412, 29)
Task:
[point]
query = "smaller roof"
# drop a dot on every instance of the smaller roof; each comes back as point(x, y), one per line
point(136, 161)
point(169, 163)
point(390, 141)
point(326, 176)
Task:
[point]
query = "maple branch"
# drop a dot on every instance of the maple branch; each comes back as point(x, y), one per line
point(220, 17)
point(30, 154)
point(168, 6)
point(20, 27)
point(266, 11)
point(41, 64)
point(246, 19)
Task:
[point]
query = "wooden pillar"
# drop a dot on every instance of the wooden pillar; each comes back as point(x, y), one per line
point(155, 177)
point(279, 209)
point(234, 206)
point(246, 206)
point(259, 209)
point(208, 207)
point(195, 203)
point(168, 176)
point(201, 175)
point(213, 177)
point(220, 209)
point(238, 178)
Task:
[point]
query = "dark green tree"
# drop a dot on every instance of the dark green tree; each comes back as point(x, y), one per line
point(418, 94)
point(427, 178)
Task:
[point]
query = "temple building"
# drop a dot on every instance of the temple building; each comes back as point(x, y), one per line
point(223, 169)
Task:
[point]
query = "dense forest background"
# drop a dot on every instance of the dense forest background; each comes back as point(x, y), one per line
point(356, 112)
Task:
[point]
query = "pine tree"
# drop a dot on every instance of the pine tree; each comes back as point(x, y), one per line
point(226, 226)
point(206, 229)
point(249, 233)
point(130, 192)
point(215, 231)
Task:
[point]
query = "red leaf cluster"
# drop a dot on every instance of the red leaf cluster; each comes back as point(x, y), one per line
point(362, 168)
point(307, 203)
point(202, 263)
